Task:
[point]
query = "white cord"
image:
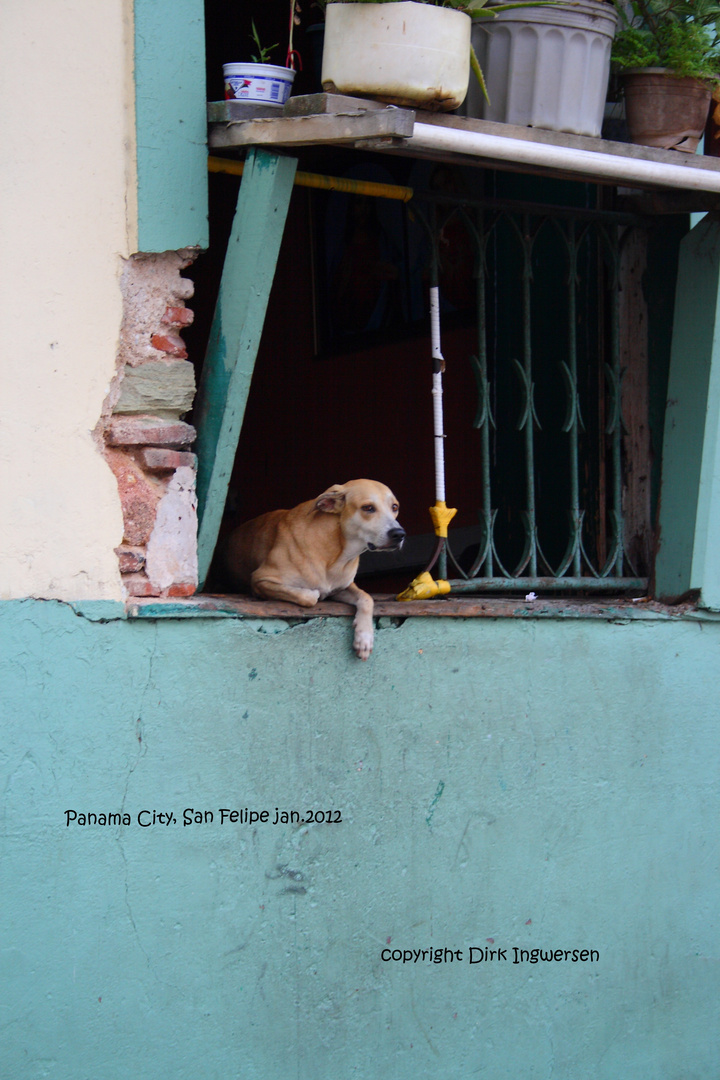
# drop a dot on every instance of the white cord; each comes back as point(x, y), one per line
point(437, 392)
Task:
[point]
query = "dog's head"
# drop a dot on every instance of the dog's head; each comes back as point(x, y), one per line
point(368, 514)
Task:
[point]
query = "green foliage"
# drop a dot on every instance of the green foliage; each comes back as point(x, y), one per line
point(680, 35)
point(475, 8)
point(263, 53)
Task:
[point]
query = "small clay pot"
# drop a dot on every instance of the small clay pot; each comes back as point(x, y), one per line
point(665, 111)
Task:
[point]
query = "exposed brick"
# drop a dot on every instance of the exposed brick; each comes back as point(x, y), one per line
point(151, 285)
point(178, 316)
point(170, 343)
point(180, 588)
point(131, 559)
point(139, 585)
point(157, 460)
point(148, 431)
point(139, 498)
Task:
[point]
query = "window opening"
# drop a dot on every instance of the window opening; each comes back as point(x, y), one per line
point(541, 476)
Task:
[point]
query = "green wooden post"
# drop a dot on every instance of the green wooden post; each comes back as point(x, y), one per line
point(171, 124)
point(235, 336)
point(689, 528)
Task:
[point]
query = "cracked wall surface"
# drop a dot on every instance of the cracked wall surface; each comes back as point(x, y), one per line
point(568, 801)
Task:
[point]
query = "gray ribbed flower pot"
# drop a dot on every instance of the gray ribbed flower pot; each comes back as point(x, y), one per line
point(546, 67)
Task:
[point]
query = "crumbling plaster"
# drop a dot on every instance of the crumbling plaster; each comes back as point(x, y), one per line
point(142, 434)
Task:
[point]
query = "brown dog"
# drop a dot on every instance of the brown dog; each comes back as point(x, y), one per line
point(312, 552)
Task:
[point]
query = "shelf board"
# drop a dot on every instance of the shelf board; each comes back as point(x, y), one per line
point(337, 120)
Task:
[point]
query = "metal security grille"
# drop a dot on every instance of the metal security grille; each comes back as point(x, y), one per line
point(549, 476)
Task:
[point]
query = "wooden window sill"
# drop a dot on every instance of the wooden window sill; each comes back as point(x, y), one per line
point(245, 607)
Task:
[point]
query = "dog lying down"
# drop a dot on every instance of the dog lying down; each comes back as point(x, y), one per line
point(312, 552)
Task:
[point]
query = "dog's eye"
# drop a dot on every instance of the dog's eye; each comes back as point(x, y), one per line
point(394, 508)
point(369, 508)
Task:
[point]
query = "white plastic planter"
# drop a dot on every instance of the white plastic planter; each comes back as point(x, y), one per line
point(405, 53)
point(265, 84)
point(546, 67)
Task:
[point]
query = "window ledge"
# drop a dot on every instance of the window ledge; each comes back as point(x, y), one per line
point(242, 607)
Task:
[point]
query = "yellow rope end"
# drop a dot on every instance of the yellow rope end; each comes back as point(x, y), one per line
point(441, 516)
point(424, 588)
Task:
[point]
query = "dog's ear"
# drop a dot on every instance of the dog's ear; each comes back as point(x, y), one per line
point(332, 500)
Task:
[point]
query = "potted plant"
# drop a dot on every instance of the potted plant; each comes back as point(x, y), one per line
point(258, 82)
point(547, 67)
point(668, 55)
point(416, 53)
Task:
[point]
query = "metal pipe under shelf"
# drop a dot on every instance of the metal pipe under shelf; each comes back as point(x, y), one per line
point(626, 169)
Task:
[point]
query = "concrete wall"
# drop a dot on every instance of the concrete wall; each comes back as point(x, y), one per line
point(75, 204)
point(68, 162)
point(510, 783)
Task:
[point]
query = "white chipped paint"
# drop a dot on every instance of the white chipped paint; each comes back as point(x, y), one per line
point(171, 555)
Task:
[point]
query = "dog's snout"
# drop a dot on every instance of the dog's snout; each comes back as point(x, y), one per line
point(396, 534)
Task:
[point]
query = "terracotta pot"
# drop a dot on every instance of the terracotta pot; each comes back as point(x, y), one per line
point(665, 111)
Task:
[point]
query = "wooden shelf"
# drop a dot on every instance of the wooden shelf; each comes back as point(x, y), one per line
point(677, 180)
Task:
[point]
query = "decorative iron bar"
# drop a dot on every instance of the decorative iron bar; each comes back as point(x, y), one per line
point(579, 416)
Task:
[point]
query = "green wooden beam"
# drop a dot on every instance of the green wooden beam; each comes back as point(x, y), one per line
point(235, 335)
point(688, 556)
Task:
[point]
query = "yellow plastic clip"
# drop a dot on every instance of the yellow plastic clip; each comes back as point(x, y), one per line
point(441, 516)
point(424, 587)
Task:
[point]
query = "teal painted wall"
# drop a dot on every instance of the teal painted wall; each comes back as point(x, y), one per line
point(170, 117)
point(542, 783)
point(687, 556)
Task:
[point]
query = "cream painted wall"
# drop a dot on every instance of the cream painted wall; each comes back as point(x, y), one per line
point(67, 192)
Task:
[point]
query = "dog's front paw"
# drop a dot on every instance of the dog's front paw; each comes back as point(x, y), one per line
point(363, 644)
